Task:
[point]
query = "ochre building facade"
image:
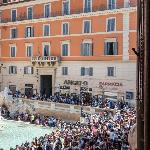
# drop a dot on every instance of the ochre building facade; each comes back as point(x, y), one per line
point(69, 46)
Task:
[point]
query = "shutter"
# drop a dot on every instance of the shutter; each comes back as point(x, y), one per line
point(82, 71)
point(31, 70)
point(26, 30)
point(15, 70)
point(9, 69)
point(115, 50)
point(24, 70)
point(82, 50)
point(105, 48)
point(90, 71)
point(16, 33)
point(91, 49)
point(32, 32)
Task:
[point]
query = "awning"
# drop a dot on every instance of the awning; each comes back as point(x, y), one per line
point(110, 94)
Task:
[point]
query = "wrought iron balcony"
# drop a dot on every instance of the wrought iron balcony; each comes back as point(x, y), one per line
point(23, 16)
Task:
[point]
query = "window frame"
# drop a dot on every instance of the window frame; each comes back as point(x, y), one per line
point(107, 24)
point(10, 46)
point(111, 40)
point(63, 7)
point(49, 9)
point(12, 16)
point(63, 23)
point(43, 44)
point(11, 32)
point(27, 72)
point(114, 71)
point(28, 13)
point(108, 5)
point(83, 27)
point(90, 8)
point(62, 43)
point(65, 71)
point(44, 30)
point(32, 31)
point(88, 41)
point(11, 70)
point(26, 45)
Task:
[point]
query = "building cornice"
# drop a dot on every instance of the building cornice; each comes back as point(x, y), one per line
point(68, 17)
point(69, 36)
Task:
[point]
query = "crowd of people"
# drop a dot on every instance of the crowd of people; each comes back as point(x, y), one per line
point(93, 101)
point(103, 131)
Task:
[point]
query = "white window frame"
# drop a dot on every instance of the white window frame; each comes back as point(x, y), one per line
point(31, 33)
point(107, 23)
point(32, 72)
point(44, 28)
point(43, 44)
point(65, 42)
point(10, 73)
point(11, 32)
point(91, 6)
point(63, 7)
point(108, 4)
point(32, 12)
point(49, 8)
point(26, 45)
point(11, 14)
point(114, 71)
point(67, 71)
point(12, 45)
point(83, 26)
point(62, 28)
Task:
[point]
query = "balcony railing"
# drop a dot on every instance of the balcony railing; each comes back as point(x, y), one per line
point(51, 59)
point(23, 16)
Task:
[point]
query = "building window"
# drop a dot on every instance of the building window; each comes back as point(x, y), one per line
point(86, 26)
point(65, 28)
point(12, 51)
point(13, 15)
point(28, 70)
point(12, 70)
point(87, 49)
point(111, 4)
point(64, 70)
point(110, 71)
point(111, 24)
point(86, 71)
point(110, 48)
point(13, 33)
point(87, 6)
point(29, 32)
point(46, 49)
point(129, 95)
point(29, 48)
point(65, 49)
point(30, 12)
point(47, 10)
point(65, 7)
point(46, 31)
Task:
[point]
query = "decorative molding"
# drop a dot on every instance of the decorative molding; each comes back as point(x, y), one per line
point(98, 13)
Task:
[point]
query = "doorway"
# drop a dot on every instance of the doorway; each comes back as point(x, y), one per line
point(46, 85)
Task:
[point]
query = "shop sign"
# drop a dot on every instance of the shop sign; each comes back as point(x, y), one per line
point(65, 87)
point(115, 84)
point(71, 82)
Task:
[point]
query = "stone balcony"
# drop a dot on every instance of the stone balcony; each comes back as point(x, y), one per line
point(45, 60)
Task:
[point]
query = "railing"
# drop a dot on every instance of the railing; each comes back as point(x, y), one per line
point(44, 59)
point(23, 16)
